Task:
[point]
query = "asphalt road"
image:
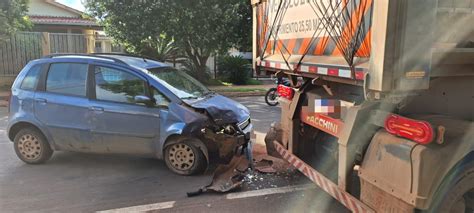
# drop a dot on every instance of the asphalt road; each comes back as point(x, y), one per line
point(76, 182)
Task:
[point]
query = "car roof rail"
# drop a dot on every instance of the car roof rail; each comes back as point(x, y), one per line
point(88, 55)
point(129, 55)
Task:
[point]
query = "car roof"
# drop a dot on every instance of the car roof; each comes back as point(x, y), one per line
point(134, 61)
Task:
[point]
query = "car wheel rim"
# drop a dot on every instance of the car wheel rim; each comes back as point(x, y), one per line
point(29, 147)
point(181, 156)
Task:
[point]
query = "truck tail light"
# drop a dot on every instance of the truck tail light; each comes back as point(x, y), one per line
point(285, 92)
point(418, 131)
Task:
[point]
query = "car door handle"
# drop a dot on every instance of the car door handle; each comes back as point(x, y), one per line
point(96, 108)
point(40, 100)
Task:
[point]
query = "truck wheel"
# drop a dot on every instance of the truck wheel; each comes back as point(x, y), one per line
point(184, 158)
point(456, 193)
point(31, 146)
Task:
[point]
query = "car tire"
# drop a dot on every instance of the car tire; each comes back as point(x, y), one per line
point(184, 158)
point(456, 193)
point(31, 146)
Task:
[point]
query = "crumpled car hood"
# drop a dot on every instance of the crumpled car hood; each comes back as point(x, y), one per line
point(223, 110)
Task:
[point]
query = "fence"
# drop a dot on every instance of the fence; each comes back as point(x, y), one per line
point(18, 50)
point(23, 47)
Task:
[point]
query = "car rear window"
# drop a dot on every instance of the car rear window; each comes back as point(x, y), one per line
point(67, 78)
point(31, 79)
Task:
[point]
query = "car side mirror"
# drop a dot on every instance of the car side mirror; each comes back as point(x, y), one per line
point(142, 99)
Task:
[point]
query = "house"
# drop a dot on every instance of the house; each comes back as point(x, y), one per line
point(56, 29)
point(53, 17)
point(69, 29)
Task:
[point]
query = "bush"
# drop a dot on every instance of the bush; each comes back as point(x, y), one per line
point(234, 69)
point(191, 69)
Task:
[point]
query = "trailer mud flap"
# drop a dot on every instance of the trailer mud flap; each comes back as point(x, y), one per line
point(325, 184)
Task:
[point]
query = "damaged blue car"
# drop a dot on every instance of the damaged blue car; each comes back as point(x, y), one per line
point(125, 105)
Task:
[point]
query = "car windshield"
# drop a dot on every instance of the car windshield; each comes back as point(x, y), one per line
point(181, 84)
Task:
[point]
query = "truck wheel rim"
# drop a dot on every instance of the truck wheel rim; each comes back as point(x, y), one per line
point(29, 146)
point(181, 156)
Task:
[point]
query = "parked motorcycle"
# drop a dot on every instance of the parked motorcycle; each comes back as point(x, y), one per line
point(271, 97)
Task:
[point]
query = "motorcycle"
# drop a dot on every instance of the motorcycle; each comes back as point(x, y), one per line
point(271, 97)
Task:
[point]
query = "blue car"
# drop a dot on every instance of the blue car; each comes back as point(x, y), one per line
point(126, 105)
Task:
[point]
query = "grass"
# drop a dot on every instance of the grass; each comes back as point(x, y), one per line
point(216, 82)
point(254, 82)
point(237, 89)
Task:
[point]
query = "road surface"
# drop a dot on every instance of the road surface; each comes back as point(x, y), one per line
point(76, 182)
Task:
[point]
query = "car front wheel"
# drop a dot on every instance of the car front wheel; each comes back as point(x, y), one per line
point(184, 158)
point(31, 146)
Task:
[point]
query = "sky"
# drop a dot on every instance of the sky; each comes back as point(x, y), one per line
point(76, 4)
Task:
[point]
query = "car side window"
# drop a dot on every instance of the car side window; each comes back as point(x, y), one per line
point(67, 78)
point(31, 79)
point(117, 85)
point(160, 99)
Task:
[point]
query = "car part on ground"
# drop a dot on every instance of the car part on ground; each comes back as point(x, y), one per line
point(226, 177)
point(31, 146)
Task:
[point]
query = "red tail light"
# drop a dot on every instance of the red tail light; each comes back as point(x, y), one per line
point(418, 131)
point(286, 92)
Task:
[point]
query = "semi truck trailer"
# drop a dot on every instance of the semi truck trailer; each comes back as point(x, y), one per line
point(383, 119)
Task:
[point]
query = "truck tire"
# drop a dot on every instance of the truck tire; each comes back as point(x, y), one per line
point(31, 146)
point(184, 158)
point(456, 192)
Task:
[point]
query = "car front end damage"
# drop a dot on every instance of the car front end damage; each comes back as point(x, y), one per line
point(227, 129)
point(229, 140)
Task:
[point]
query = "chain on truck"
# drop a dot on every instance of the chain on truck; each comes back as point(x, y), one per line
point(382, 120)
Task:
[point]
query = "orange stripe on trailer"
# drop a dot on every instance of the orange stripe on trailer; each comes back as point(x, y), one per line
point(279, 46)
point(324, 183)
point(364, 50)
point(356, 19)
point(321, 46)
point(304, 46)
point(291, 45)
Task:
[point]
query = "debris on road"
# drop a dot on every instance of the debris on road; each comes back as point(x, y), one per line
point(265, 172)
point(226, 177)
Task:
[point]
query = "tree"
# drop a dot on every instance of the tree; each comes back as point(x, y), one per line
point(200, 28)
point(13, 17)
point(162, 48)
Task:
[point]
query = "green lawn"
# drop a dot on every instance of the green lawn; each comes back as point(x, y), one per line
point(237, 89)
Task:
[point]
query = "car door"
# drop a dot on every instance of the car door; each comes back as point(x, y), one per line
point(61, 104)
point(119, 124)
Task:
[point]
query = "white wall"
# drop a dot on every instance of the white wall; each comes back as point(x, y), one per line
point(41, 8)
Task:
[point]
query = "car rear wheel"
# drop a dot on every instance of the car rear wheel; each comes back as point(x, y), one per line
point(184, 158)
point(31, 146)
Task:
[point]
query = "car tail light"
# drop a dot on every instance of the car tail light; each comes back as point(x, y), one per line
point(286, 92)
point(418, 131)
